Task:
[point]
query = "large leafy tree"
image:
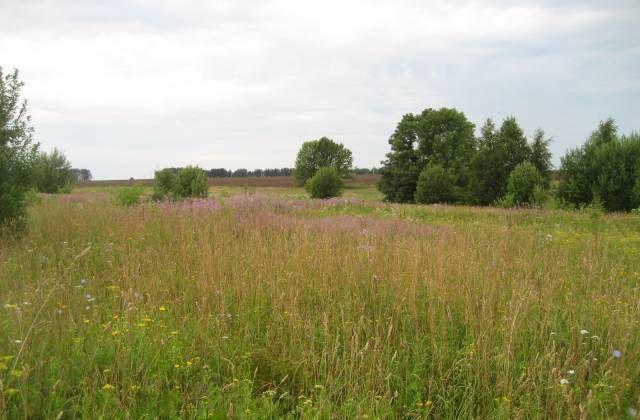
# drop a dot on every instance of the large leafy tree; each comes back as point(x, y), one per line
point(322, 153)
point(17, 150)
point(499, 152)
point(540, 155)
point(605, 169)
point(442, 137)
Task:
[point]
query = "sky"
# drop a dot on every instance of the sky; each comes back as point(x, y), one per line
point(126, 87)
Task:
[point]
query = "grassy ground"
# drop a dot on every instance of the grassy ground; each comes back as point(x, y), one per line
point(261, 303)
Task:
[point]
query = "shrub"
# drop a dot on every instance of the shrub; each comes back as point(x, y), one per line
point(326, 183)
point(53, 173)
point(165, 180)
point(191, 182)
point(435, 185)
point(129, 196)
point(524, 184)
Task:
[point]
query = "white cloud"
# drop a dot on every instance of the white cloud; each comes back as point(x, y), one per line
point(127, 86)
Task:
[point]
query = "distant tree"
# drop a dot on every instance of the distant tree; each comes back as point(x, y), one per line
point(165, 180)
point(241, 173)
point(321, 153)
point(604, 170)
point(435, 185)
point(17, 151)
point(326, 183)
point(191, 182)
point(53, 172)
point(85, 175)
point(442, 137)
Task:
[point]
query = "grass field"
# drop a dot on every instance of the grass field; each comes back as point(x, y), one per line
point(261, 303)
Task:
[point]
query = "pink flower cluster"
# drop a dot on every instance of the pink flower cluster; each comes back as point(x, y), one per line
point(195, 204)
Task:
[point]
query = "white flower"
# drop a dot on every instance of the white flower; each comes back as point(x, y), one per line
point(572, 372)
point(564, 382)
point(584, 332)
point(632, 412)
point(595, 337)
point(83, 282)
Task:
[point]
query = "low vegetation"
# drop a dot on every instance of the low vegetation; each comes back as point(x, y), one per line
point(253, 305)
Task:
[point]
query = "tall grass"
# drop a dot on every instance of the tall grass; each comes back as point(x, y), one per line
point(254, 309)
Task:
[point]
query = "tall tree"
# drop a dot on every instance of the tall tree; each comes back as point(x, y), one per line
point(499, 152)
point(17, 150)
point(53, 172)
point(442, 137)
point(322, 153)
point(541, 155)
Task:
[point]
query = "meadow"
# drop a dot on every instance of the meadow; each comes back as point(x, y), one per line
point(262, 303)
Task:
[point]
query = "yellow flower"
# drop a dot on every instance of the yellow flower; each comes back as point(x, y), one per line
point(135, 388)
point(174, 332)
point(108, 387)
point(189, 363)
point(141, 325)
point(428, 403)
point(87, 321)
point(177, 366)
point(115, 332)
point(162, 308)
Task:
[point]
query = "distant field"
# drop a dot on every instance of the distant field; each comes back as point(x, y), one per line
point(252, 181)
point(261, 303)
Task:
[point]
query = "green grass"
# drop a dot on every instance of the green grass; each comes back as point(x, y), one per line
point(283, 307)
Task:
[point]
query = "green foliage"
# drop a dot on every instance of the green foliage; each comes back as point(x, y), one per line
point(524, 184)
point(499, 152)
point(605, 168)
point(191, 182)
point(129, 196)
point(441, 137)
point(17, 151)
point(322, 153)
point(540, 155)
point(326, 183)
point(181, 183)
point(435, 185)
point(165, 180)
point(53, 173)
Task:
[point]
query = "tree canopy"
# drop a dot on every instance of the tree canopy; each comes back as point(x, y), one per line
point(322, 153)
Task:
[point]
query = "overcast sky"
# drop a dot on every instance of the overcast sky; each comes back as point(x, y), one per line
point(125, 87)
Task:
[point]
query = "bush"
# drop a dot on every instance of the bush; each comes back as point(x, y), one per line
point(165, 180)
point(326, 183)
point(525, 184)
point(129, 196)
point(191, 182)
point(435, 185)
point(53, 173)
point(182, 183)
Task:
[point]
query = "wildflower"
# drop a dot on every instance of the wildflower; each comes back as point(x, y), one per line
point(162, 308)
point(189, 363)
point(108, 387)
point(177, 366)
point(617, 354)
point(571, 372)
point(549, 237)
point(18, 341)
point(428, 403)
point(595, 337)
point(584, 332)
point(632, 412)
point(135, 388)
point(89, 298)
point(115, 332)
point(174, 332)
point(224, 337)
point(83, 282)
point(564, 382)
point(87, 321)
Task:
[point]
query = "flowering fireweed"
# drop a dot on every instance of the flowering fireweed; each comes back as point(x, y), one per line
point(258, 306)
